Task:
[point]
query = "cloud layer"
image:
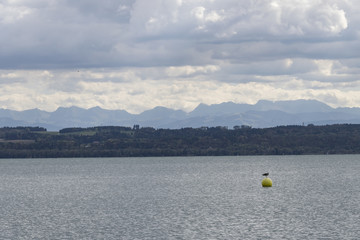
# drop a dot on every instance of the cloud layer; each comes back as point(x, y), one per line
point(137, 54)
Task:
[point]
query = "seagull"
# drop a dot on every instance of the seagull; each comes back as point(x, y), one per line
point(266, 174)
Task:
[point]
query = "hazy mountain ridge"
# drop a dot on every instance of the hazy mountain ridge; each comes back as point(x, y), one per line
point(262, 114)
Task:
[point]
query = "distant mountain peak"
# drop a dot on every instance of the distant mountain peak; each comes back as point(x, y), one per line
point(264, 113)
point(96, 108)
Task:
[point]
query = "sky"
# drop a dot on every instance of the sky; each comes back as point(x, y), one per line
point(135, 55)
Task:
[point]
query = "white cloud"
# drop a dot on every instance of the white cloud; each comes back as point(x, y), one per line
point(307, 17)
point(198, 12)
point(325, 66)
point(9, 14)
point(138, 89)
point(190, 70)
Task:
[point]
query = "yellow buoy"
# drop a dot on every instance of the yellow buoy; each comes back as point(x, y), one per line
point(266, 182)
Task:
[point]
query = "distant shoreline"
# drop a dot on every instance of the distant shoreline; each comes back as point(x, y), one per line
point(113, 141)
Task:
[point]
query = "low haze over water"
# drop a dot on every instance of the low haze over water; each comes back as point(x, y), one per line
point(313, 197)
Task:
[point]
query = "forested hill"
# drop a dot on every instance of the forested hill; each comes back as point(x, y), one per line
point(36, 142)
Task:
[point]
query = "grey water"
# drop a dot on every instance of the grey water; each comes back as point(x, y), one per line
point(313, 197)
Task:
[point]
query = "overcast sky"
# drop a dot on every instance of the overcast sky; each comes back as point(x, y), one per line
point(138, 54)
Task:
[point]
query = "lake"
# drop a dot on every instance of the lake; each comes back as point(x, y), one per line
point(313, 197)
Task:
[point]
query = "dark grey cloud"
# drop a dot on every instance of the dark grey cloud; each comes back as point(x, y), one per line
point(56, 35)
point(110, 33)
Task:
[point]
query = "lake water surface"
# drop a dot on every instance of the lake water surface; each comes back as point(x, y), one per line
point(313, 197)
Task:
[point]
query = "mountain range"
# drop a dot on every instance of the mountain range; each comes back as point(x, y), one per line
point(260, 115)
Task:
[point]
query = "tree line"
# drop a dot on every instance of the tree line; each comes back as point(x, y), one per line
point(113, 141)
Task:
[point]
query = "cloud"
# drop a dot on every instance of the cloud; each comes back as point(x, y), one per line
point(111, 33)
point(10, 14)
point(136, 54)
point(137, 89)
point(190, 70)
